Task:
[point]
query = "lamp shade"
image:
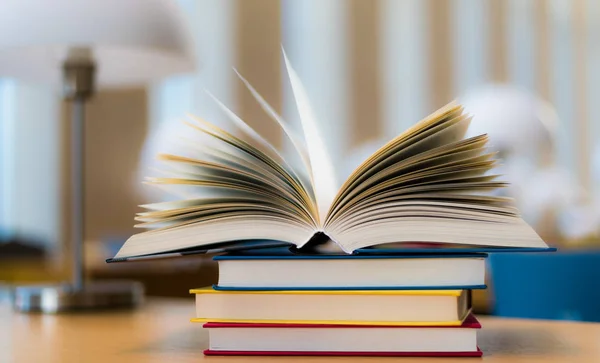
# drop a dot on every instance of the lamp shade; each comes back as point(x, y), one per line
point(132, 41)
point(515, 119)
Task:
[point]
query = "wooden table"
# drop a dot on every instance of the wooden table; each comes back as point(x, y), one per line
point(161, 332)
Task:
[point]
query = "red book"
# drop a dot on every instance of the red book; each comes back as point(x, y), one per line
point(476, 353)
point(343, 340)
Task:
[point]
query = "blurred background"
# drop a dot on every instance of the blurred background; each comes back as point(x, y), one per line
point(528, 70)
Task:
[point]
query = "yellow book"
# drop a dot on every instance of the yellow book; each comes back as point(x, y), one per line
point(350, 307)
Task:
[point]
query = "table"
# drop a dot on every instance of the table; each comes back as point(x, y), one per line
point(160, 331)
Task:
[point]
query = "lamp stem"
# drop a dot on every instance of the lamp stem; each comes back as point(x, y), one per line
point(78, 189)
point(78, 72)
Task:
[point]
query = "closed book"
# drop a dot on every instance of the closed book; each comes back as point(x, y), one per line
point(306, 339)
point(348, 307)
point(339, 272)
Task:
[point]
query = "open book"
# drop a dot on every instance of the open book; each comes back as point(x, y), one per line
point(429, 184)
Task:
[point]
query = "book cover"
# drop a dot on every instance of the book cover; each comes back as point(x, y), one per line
point(477, 353)
point(447, 251)
point(264, 246)
point(281, 249)
point(470, 322)
point(447, 293)
point(259, 255)
point(210, 290)
point(342, 288)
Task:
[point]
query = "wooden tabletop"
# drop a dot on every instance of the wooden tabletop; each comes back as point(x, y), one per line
point(160, 331)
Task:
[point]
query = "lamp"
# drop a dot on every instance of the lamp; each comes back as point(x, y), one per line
point(79, 44)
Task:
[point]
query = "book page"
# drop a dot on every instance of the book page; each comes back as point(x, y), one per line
point(229, 180)
point(241, 185)
point(297, 142)
point(439, 230)
point(449, 209)
point(239, 188)
point(438, 134)
point(226, 228)
point(322, 170)
point(447, 154)
point(263, 144)
point(256, 156)
point(437, 118)
point(237, 160)
point(430, 186)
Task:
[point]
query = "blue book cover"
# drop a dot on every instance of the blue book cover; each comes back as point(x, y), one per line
point(266, 246)
point(277, 248)
point(449, 251)
point(286, 254)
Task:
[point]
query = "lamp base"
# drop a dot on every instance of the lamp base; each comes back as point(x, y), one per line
point(95, 295)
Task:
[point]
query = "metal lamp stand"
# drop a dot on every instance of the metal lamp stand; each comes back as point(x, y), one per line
point(78, 71)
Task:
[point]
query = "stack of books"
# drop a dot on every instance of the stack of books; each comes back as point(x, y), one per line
point(416, 305)
point(376, 291)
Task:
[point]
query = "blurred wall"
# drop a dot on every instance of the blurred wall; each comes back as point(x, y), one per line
point(116, 123)
point(30, 141)
point(373, 68)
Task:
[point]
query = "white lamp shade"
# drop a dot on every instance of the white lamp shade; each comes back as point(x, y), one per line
point(132, 41)
point(514, 119)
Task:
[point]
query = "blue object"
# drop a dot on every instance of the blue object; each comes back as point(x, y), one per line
point(559, 286)
point(285, 254)
point(450, 250)
point(225, 247)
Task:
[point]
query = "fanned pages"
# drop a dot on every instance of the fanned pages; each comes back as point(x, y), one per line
point(298, 144)
point(427, 185)
point(323, 173)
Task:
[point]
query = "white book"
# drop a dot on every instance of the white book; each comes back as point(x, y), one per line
point(351, 272)
point(314, 339)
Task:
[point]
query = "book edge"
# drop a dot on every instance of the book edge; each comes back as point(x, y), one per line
point(342, 288)
point(471, 322)
point(476, 353)
point(210, 290)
